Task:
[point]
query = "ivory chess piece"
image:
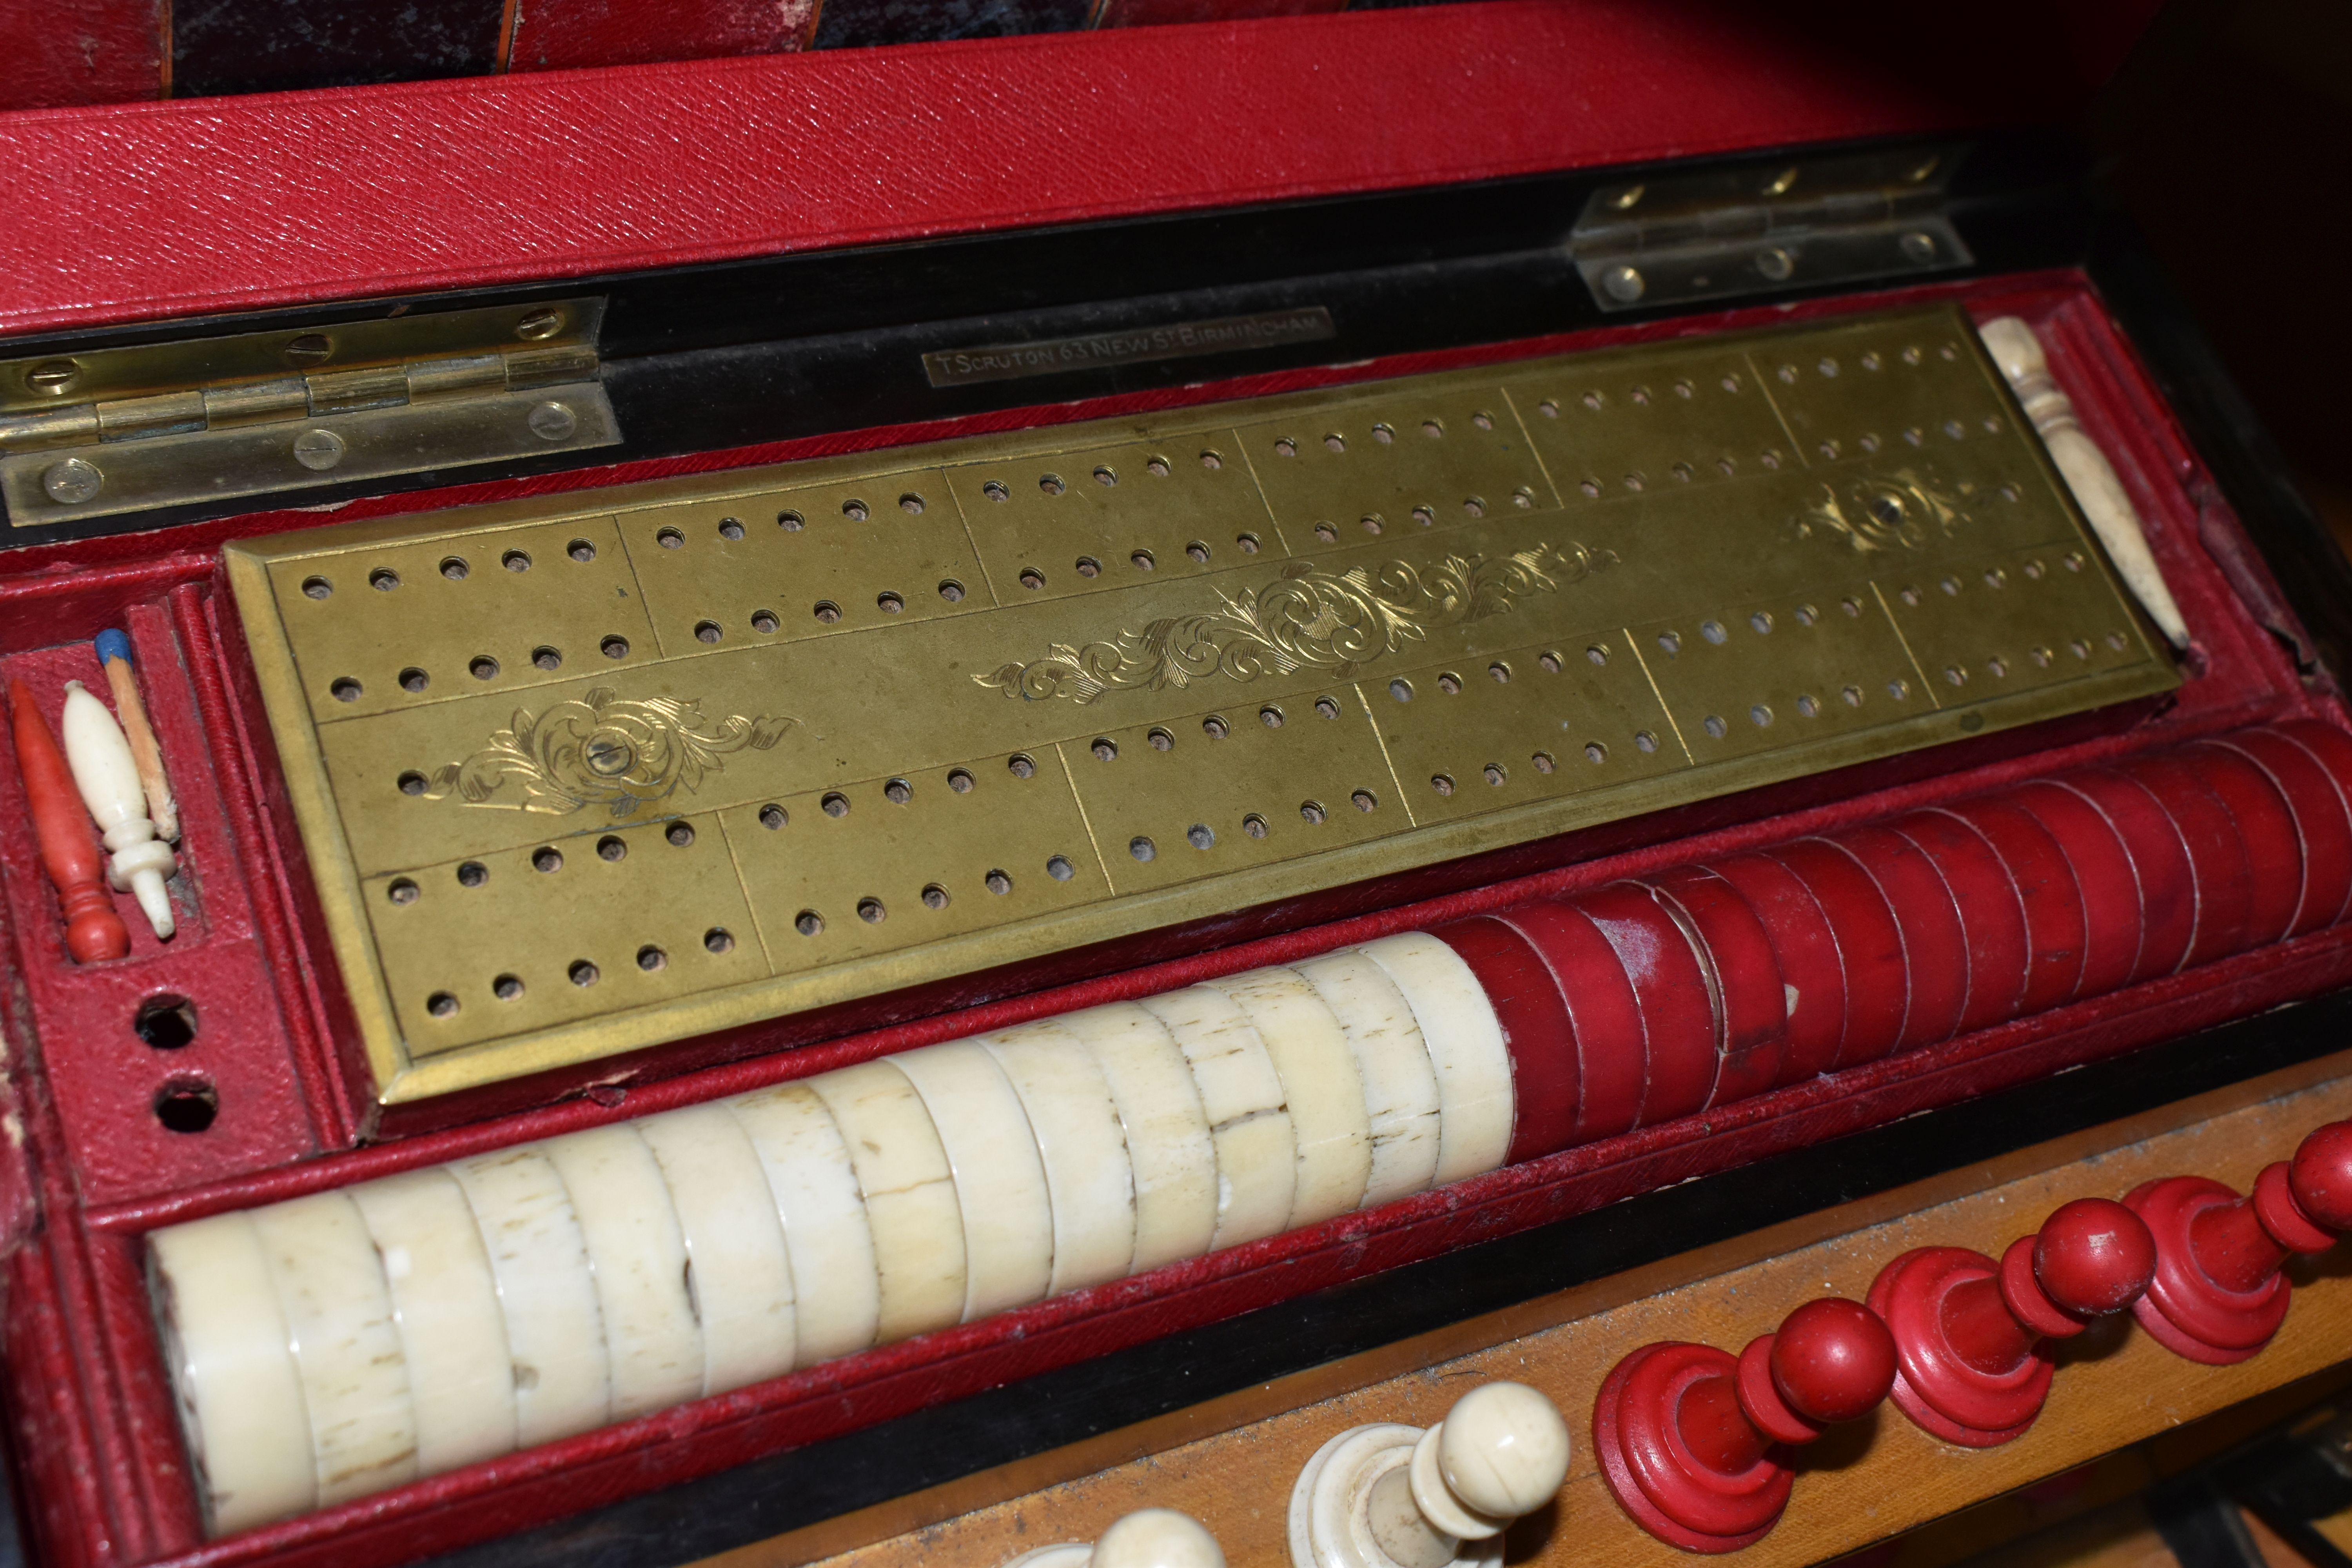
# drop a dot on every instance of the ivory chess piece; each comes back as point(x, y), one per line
point(93, 930)
point(114, 653)
point(108, 776)
point(1148, 1538)
point(2086, 470)
point(1387, 1495)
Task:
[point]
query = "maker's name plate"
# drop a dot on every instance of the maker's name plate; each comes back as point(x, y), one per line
point(581, 774)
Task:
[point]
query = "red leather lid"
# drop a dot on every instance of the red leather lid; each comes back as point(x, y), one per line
point(139, 211)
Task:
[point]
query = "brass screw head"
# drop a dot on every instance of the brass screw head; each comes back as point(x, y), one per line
point(538, 324)
point(1623, 284)
point(319, 450)
point(71, 482)
point(552, 422)
point(53, 377)
point(309, 349)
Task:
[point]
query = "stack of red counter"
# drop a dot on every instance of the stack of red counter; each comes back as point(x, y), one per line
point(1648, 1000)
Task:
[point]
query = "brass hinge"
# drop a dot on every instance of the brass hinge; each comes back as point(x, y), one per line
point(253, 413)
point(1802, 224)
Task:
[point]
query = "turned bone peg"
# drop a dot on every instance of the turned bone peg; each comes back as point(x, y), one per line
point(1389, 1495)
point(114, 653)
point(2088, 474)
point(1694, 1442)
point(108, 776)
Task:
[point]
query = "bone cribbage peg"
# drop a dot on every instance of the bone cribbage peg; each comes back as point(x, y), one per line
point(108, 776)
point(114, 653)
point(93, 930)
point(2087, 471)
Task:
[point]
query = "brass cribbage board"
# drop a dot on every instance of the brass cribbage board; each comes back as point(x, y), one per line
point(582, 774)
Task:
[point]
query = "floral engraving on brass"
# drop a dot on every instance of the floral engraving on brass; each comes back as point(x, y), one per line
point(1885, 513)
point(1305, 620)
point(600, 750)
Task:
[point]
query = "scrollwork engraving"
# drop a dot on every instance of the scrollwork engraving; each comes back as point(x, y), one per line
point(600, 750)
point(1306, 619)
point(1884, 513)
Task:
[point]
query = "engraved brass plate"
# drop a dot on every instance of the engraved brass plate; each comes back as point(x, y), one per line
point(579, 774)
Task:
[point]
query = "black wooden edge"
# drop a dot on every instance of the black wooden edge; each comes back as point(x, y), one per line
point(2254, 475)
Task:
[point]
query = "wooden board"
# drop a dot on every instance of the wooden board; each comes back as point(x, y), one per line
point(1230, 1462)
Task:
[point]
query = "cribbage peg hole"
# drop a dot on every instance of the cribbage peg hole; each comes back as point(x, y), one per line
point(165, 1021)
point(187, 1103)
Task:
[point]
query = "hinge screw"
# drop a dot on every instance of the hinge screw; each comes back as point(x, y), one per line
point(552, 422)
point(1776, 264)
point(1781, 183)
point(309, 349)
point(318, 451)
point(538, 324)
point(1921, 171)
point(1920, 245)
point(1624, 200)
point(53, 377)
point(1622, 284)
point(71, 482)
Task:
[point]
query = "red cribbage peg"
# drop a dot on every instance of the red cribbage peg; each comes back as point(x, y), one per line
point(2220, 1292)
point(1694, 1441)
point(1969, 1332)
point(69, 854)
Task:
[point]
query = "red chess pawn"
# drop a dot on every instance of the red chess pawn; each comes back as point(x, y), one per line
point(93, 930)
point(1969, 1332)
point(2220, 1293)
point(1693, 1440)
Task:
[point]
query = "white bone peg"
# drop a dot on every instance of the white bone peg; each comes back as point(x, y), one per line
point(109, 779)
point(1148, 1538)
point(1387, 1495)
point(2086, 470)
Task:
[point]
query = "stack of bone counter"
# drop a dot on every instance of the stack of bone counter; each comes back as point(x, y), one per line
point(343, 1342)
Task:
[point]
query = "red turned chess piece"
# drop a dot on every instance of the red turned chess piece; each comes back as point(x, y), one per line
point(1694, 1441)
point(1969, 1332)
point(2220, 1293)
point(93, 930)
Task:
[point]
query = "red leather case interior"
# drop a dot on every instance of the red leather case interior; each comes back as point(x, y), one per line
point(107, 1472)
point(189, 208)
